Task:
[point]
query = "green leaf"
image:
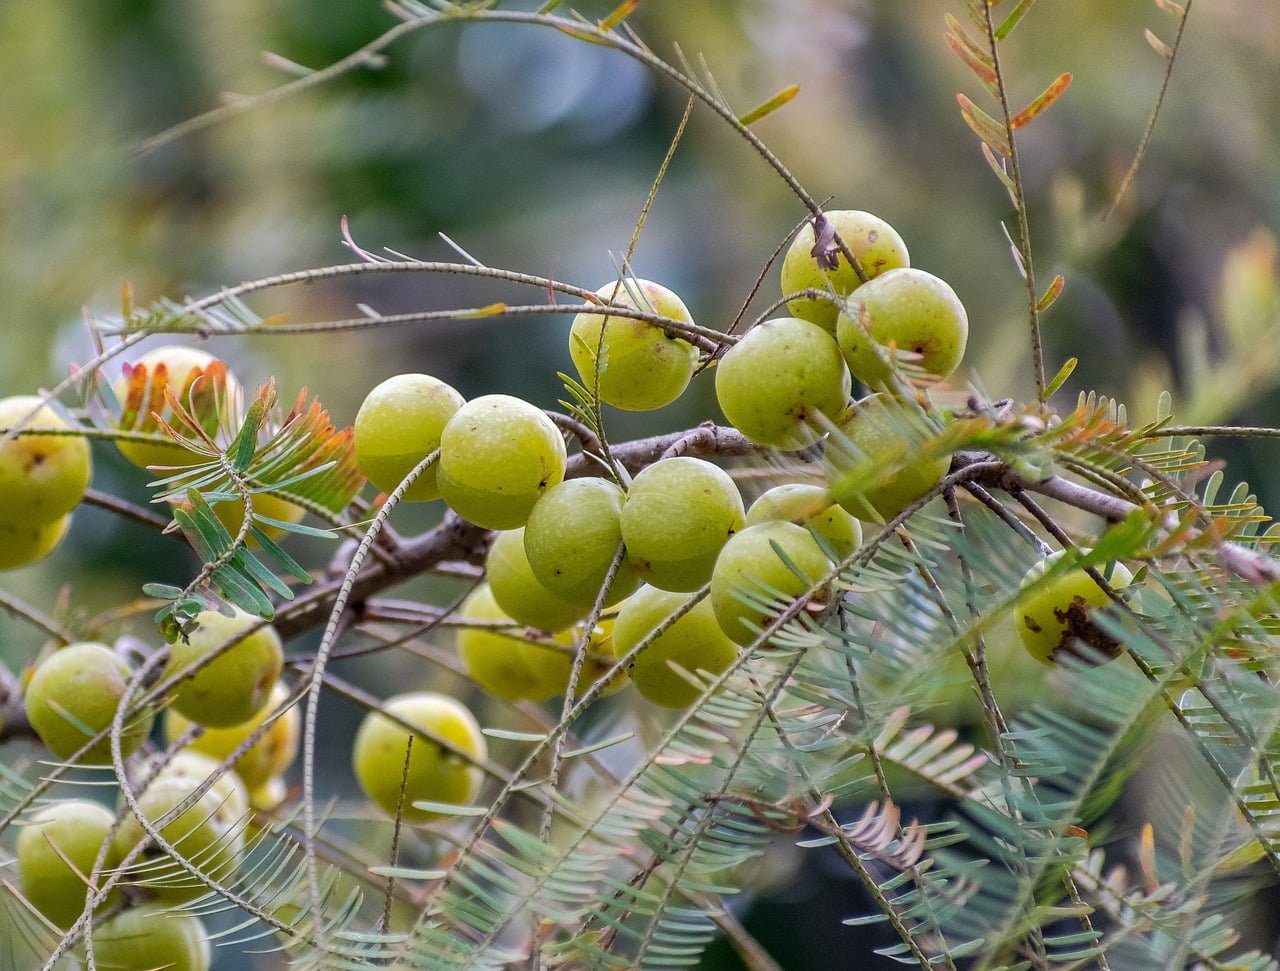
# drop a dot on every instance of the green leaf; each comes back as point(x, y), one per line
point(1015, 17)
point(770, 106)
point(287, 562)
point(1060, 378)
point(245, 444)
point(161, 591)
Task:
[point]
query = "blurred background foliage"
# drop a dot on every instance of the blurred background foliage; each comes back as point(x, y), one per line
point(535, 152)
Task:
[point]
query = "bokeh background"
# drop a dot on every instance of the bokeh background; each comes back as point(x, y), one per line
point(535, 152)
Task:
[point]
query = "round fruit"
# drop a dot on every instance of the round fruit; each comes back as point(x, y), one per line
point(269, 756)
point(551, 668)
point(23, 543)
point(695, 642)
point(498, 455)
point(56, 853)
point(640, 367)
point(874, 469)
point(270, 795)
point(233, 687)
point(776, 383)
point(42, 477)
point(750, 564)
point(195, 767)
point(398, 426)
point(151, 935)
point(572, 537)
point(874, 243)
point(73, 695)
point(909, 310)
point(435, 774)
point(1054, 618)
point(810, 506)
point(679, 512)
point(520, 594)
point(496, 660)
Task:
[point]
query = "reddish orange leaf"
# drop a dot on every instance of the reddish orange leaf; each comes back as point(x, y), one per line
point(1047, 97)
point(986, 74)
point(620, 13)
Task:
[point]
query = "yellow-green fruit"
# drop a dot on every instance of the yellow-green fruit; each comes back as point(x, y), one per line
point(74, 694)
point(874, 243)
point(150, 935)
point(640, 367)
point(550, 668)
point(572, 537)
point(195, 767)
point(269, 756)
point(435, 774)
point(750, 565)
point(907, 310)
point(781, 382)
point(42, 477)
point(270, 795)
point(496, 660)
point(1054, 619)
point(23, 543)
point(679, 512)
point(874, 462)
point(519, 593)
point(398, 426)
point(56, 852)
point(232, 688)
point(498, 455)
point(695, 642)
point(810, 506)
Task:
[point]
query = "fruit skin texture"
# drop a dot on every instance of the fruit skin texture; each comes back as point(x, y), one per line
point(233, 688)
point(572, 537)
point(496, 661)
point(42, 477)
point(398, 425)
point(749, 563)
point(76, 690)
point(68, 831)
point(679, 512)
point(810, 506)
point(695, 642)
point(272, 754)
point(641, 368)
point(23, 543)
point(498, 455)
point(876, 245)
point(150, 935)
point(1053, 618)
point(519, 593)
point(910, 309)
point(435, 775)
point(775, 383)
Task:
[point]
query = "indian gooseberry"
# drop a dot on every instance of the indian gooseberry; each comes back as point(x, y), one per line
point(572, 537)
point(42, 477)
point(751, 564)
point(434, 773)
point(639, 367)
point(398, 425)
point(874, 243)
point(551, 668)
point(495, 659)
point(775, 383)
point(678, 513)
point(269, 795)
point(233, 687)
point(73, 695)
point(270, 755)
point(908, 310)
point(1053, 619)
point(498, 455)
point(151, 935)
point(810, 506)
point(695, 642)
point(518, 592)
point(56, 852)
point(23, 543)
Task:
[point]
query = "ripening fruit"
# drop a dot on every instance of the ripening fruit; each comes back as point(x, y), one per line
point(268, 757)
point(640, 368)
point(498, 455)
point(572, 537)
point(876, 245)
point(23, 543)
point(810, 506)
point(269, 795)
point(521, 595)
point(74, 694)
point(232, 688)
point(873, 465)
point(1054, 619)
point(775, 383)
point(495, 660)
point(151, 935)
point(750, 564)
point(56, 852)
point(551, 668)
point(398, 425)
point(695, 642)
point(435, 774)
point(42, 477)
point(678, 514)
point(909, 310)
